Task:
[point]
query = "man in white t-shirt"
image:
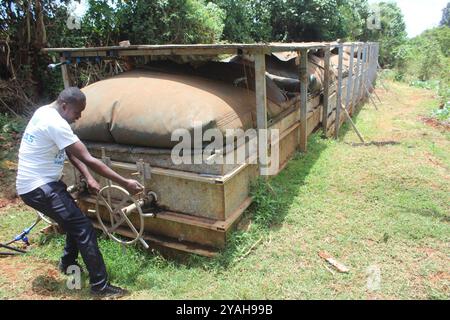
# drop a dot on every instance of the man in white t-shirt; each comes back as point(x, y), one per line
point(47, 139)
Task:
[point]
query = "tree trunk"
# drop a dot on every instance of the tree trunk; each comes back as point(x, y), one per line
point(41, 40)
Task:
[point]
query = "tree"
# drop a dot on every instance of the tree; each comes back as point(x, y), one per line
point(169, 21)
point(391, 35)
point(306, 20)
point(354, 14)
point(238, 20)
point(446, 16)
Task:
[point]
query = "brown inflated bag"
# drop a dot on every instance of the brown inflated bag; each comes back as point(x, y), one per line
point(143, 108)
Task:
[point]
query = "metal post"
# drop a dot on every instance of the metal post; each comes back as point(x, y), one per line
point(261, 109)
point(303, 99)
point(337, 121)
point(326, 90)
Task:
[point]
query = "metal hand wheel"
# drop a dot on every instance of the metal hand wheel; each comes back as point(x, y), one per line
point(119, 212)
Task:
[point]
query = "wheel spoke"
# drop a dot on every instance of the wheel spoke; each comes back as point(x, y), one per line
point(131, 225)
point(120, 205)
point(115, 226)
point(117, 215)
point(108, 207)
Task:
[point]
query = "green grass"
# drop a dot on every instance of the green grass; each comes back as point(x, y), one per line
point(10, 129)
point(366, 206)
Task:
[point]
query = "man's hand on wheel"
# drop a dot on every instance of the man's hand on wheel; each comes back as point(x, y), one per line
point(133, 186)
point(93, 186)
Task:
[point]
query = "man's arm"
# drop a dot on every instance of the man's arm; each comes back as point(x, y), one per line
point(92, 184)
point(79, 151)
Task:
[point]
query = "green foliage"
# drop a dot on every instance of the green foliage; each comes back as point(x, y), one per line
point(440, 36)
point(266, 204)
point(391, 35)
point(354, 15)
point(154, 22)
point(239, 24)
point(444, 113)
point(424, 62)
point(429, 85)
point(10, 125)
point(301, 20)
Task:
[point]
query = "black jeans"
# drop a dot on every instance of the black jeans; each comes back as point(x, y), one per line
point(53, 200)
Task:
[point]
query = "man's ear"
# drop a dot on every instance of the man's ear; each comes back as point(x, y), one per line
point(63, 106)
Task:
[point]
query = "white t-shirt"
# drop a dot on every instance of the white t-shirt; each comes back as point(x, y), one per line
point(41, 153)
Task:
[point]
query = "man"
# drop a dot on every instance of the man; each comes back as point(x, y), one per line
point(47, 139)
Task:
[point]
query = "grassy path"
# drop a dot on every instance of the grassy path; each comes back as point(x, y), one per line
point(382, 211)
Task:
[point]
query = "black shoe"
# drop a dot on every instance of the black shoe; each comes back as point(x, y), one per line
point(63, 267)
point(109, 291)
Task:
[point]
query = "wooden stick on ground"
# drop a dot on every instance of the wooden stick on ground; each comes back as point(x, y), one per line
point(7, 107)
point(249, 250)
point(352, 123)
point(370, 97)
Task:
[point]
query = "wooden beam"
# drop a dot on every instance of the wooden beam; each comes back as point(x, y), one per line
point(355, 90)
point(326, 90)
point(65, 73)
point(339, 92)
point(352, 123)
point(303, 132)
point(261, 110)
point(363, 72)
point(348, 100)
point(189, 49)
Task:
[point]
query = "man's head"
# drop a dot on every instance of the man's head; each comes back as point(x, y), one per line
point(71, 102)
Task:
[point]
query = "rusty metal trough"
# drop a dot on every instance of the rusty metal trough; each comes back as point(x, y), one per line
point(196, 206)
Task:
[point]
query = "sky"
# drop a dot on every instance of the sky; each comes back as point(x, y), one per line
point(420, 14)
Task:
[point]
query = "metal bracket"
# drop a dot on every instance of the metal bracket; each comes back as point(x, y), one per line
point(144, 169)
point(112, 53)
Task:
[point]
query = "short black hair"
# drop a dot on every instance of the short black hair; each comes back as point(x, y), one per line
point(72, 95)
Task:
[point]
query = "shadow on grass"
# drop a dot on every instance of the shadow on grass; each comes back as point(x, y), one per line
point(272, 199)
point(427, 213)
point(48, 285)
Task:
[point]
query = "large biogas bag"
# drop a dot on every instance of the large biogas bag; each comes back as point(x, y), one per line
point(144, 107)
point(283, 70)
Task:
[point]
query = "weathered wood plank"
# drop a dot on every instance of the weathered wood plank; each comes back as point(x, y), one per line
point(355, 95)
point(339, 90)
point(65, 73)
point(326, 90)
point(261, 109)
point(189, 49)
point(303, 70)
point(348, 97)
